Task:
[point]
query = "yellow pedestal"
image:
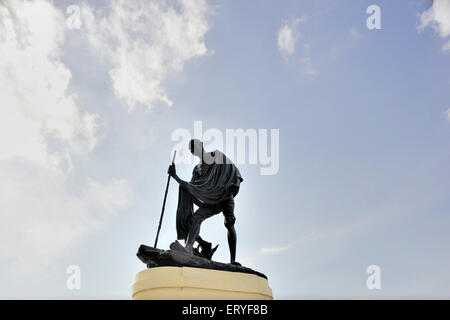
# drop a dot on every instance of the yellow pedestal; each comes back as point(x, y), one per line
point(176, 283)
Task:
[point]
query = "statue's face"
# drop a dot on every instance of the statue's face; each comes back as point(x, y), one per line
point(196, 148)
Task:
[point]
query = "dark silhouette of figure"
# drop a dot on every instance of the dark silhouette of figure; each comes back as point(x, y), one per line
point(214, 184)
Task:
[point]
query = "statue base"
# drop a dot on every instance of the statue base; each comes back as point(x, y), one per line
point(176, 274)
point(179, 283)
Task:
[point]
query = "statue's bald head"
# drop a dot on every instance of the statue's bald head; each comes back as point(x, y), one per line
point(196, 147)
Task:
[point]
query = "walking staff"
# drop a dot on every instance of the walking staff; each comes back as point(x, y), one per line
point(164, 202)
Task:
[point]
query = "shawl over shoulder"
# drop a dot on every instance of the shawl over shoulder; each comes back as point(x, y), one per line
point(213, 180)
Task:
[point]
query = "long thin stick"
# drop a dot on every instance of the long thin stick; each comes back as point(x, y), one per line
point(164, 202)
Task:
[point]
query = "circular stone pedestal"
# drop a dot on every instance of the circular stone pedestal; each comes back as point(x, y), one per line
point(175, 283)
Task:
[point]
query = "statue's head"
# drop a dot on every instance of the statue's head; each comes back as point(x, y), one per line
point(196, 147)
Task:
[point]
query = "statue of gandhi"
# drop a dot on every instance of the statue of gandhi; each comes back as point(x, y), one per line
point(214, 185)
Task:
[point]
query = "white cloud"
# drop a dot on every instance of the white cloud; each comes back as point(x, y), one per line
point(33, 85)
point(286, 40)
point(448, 114)
point(438, 17)
point(288, 36)
point(42, 130)
point(146, 41)
point(44, 217)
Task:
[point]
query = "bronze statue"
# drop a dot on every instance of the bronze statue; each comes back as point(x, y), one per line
point(214, 185)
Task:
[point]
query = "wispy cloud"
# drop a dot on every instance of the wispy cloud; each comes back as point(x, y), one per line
point(288, 36)
point(297, 242)
point(274, 250)
point(328, 237)
point(438, 17)
point(355, 33)
point(291, 52)
point(307, 66)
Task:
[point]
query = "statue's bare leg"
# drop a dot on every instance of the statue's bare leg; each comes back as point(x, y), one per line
point(230, 219)
point(197, 218)
point(232, 241)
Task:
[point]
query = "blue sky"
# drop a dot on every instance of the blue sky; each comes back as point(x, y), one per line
point(364, 142)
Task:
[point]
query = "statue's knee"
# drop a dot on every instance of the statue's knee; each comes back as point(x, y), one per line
point(229, 222)
point(197, 219)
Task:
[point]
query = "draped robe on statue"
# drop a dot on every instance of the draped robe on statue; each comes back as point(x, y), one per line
point(213, 180)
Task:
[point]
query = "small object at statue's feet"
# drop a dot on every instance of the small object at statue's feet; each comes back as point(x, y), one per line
point(207, 251)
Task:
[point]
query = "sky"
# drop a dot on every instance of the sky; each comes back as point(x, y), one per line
point(94, 93)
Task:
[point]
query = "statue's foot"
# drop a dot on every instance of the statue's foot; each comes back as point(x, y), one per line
point(236, 263)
